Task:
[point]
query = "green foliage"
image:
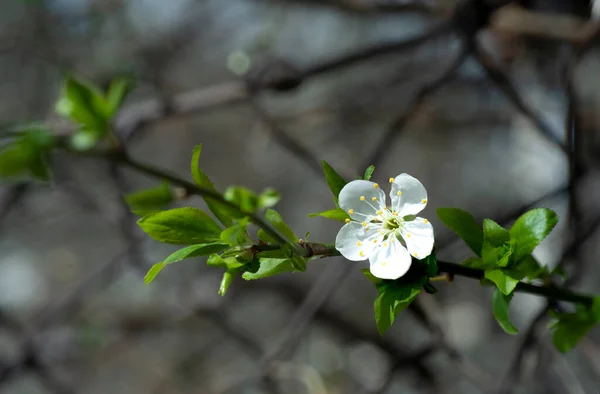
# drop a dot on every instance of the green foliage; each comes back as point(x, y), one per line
point(150, 199)
point(244, 198)
point(226, 281)
point(500, 303)
point(269, 266)
point(431, 264)
point(372, 278)
point(464, 225)
point(531, 229)
point(268, 198)
point(505, 283)
point(569, 328)
point(393, 298)
point(334, 180)
point(184, 253)
point(276, 221)
point(89, 107)
point(26, 156)
point(334, 214)
point(236, 234)
point(181, 226)
point(221, 212)
point(368, 173)
point(496, 249)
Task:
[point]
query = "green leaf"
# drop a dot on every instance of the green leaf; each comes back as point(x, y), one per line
point(570, 328)
point(14, 163)
point(268, 198)
point(236, 234)
point(334, 180)
point(270, 267)
point(228, 263)
point(530, 268)
point(117, 91)
point(431, 263)
point(464, 225)
point(476, 262)
point(84, 104)
point(184, 253)
point(531, 229)
point(276, 220)
point(226, 281)
point(221, 212)
point(505, 283)
point(263, 236)
point(393, 298)
point(243, 198)
point(368, 173)
point(334, 214)
point(500, 303)
point(26, 157)
point(153, 271)
point(367, 273)
point(152, 198)
point(429, 288)
point(298, 262)
point(496, 250)
point(181, 226)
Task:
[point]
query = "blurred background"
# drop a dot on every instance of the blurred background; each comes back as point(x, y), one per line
point(494, 109)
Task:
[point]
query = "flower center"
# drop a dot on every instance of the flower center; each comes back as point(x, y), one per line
point(391, 224)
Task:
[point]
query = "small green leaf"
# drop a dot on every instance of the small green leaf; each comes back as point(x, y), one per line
point(530, 268)
point(85, 104)
point(429, 288)
point(117, 91)
point(236, 234)
point(334, 214)
point(505, 283)
point(334, 180)
point(181, 226)
point(476, 262)
point(226, 281)
point(221, 212)
point(243, 198)
point(500, 303)
point(268, 198)
point(431, 263)
point(263, 236)
point(14, 162)
point(270, 267)
point(298, 262)
point(276, 220)
point(153, 271)
point(570, 328)
point(368, 173)
point(184, 253)
point(367, 273)
point(531, 229)
point(152, 198)
point(228, 263)
point(393, 298)
point(495, 250)
point(26, 157)
point(464, 225)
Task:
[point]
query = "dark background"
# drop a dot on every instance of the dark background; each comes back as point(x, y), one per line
point(510, 125)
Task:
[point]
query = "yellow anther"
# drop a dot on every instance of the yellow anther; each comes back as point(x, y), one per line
point(359, 243)
point(347, 220)
point(399, 193)
point(383, 263)
point(424, 201)
point(380, 212)
point(364, 224)
point(374, 241)
point(374, 199)
point(351, 211)
point(362, 198)
point(375, 185)
point(362, 254)
point(391, 180)
point(408, 235)
point(385, 244)
point(395, 213)
point(425, 221)
point(366, 229)
point(416, 255)
point(379, 231)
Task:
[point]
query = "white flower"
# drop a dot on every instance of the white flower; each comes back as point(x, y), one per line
point(383, 234)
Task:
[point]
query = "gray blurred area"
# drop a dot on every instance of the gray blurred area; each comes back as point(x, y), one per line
point(75, 315)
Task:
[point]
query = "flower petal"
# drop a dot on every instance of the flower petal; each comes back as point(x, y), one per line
point(408, 195)
point(418, 235)
point(353, 238)
point(390, 260)
point(356, 198)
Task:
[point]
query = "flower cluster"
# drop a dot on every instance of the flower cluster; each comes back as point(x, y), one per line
point(387, 236)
